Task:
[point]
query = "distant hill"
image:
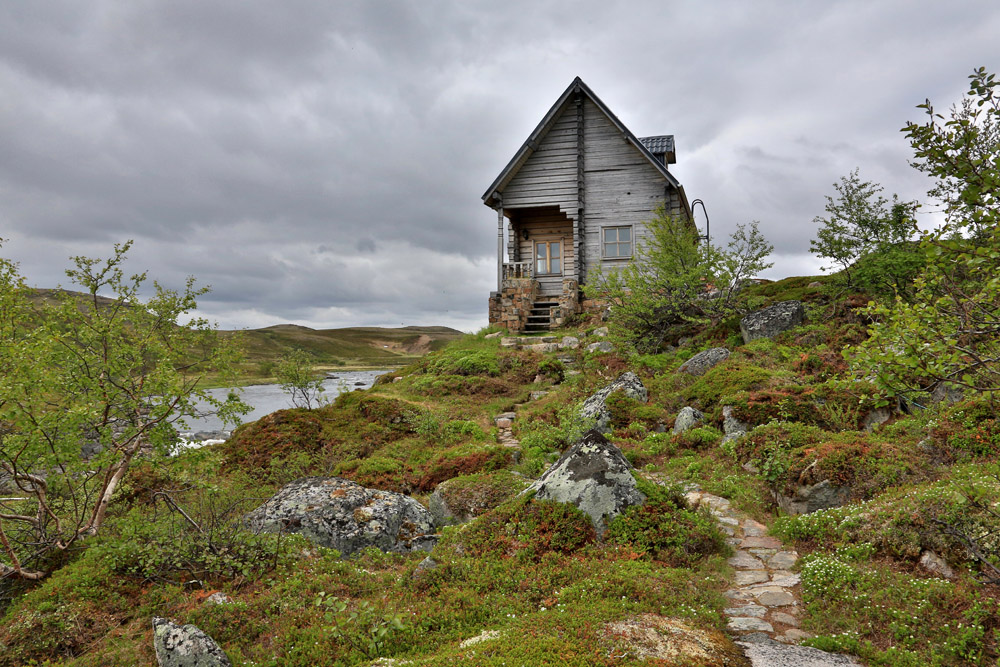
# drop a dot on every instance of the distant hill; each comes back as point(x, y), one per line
point(371, 347)
point(351, 346)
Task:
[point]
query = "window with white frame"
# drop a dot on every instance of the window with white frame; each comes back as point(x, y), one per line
point(616, 242)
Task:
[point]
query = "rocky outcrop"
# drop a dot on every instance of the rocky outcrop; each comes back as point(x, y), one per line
point(732, 427)
point(770, 322)
point(700, 363)
point(600, 346)
point(811, 498)
point(875, 418)
point(596, 407)
point(947, 393)
point(687, 419)
point(461, 499)
point(673, 640)
point(769, 653)
point(185, 646)
point(594, 476)
point(934, 564)
point(346, 516)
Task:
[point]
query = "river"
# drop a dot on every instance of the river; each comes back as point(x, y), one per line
point(266, 398)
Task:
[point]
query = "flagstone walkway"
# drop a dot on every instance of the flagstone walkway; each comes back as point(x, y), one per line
point(765, 595)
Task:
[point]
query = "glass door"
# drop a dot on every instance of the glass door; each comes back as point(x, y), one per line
point(548, 258)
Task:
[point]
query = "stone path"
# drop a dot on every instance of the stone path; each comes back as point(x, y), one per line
point(505, 436)
point(765, 597)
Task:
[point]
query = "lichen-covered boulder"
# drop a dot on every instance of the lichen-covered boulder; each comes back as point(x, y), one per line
point(346, 516)
point(673, 641)
point(687, 419)
point(814, 497)
point(461, 499)
point(700, 363)
point(600, 346)
point(596, 407)
point(185, 646)
point(770, 653)
point(732, 427)
point(770, 322)
point(593, 476)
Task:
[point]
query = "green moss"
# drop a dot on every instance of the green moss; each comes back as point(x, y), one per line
point(726, 380)
point(479, 492)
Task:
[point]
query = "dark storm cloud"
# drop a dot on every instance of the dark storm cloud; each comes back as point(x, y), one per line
point(322, 162)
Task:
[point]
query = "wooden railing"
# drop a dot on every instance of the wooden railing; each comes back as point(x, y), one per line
point(517, 270)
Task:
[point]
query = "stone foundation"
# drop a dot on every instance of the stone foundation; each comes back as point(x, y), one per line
point(510, 307)
point(569, 302)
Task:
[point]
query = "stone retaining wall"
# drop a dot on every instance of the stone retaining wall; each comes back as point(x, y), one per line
point(510, 307)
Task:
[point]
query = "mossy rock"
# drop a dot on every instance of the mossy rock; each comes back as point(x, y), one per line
point(460, 499)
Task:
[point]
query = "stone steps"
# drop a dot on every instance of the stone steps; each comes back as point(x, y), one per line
point(765, 608)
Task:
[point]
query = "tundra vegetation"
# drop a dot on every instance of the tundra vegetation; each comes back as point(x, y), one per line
point(891, 396)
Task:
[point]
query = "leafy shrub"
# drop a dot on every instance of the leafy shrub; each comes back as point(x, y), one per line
point(460, 429)
point(252, 446)
point(625, 410)
point(903, 523)
point(701, 437)
point(969, 429)
point(205, 539)
point(465, 461)
point(528, 530)
point(667, 532)
point(479, 492)
point(71, 609)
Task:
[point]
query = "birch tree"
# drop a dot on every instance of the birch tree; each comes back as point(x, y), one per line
point(88, 384)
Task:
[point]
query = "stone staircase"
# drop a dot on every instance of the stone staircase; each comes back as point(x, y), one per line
point(540, 318)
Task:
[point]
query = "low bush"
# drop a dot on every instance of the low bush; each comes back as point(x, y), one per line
point(528, 530)
point(667, 532)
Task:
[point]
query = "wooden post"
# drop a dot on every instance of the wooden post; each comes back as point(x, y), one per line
point(500, 245)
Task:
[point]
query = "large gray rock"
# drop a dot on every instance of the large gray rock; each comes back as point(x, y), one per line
point(772, 321)
point(820, 496)
point(185, 646)
point(687, 419)
point(594, 476)
point(700, 363)
point(769, 653)
point(596, 407)
point(346, 516)
point(601, 346)
point(947, 393)
point(731, 426)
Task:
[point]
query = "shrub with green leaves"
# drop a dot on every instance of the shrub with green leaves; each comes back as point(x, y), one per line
point(667, 532)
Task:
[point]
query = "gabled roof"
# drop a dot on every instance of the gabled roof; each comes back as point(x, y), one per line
point(534, 139)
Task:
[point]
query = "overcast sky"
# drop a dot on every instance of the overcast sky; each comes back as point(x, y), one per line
point(321, 162)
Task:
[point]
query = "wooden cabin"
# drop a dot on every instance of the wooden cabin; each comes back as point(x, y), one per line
point(576, 195)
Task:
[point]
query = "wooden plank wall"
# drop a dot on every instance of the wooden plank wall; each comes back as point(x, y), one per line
point(621, 187)
point(549, 176)
point(613, 183)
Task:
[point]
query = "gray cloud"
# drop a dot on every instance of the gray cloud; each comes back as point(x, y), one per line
point(322, 162)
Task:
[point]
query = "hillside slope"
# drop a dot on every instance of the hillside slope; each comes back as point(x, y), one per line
point(371, 347)
point(352, 346)
point(888, 576)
